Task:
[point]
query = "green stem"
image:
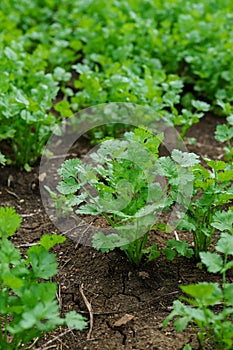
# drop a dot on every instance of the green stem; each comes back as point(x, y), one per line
point(108, 219)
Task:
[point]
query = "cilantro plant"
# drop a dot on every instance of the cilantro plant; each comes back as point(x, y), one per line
point(209, 306)
point(224, 133)
point(28, 307)
point(2, 159)
point(121, 184)
point(188, 117)
point(105, 59)
point(212, 191)
point(223, 221)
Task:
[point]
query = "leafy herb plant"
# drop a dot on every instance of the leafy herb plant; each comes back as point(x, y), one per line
point(28, 306)
point(224, 133)
point(2, 159)
point(104, 59)
point(117, 188)
point(210, 305)
point(122, 185)
point(212, 190)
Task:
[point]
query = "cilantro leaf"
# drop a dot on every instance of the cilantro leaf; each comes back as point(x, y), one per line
point(185, 159)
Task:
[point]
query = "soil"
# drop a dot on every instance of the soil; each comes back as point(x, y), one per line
point(115, 289)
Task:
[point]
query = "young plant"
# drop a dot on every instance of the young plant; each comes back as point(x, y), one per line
point(224, 133)
point(223, 221)
point(28, 306)
point(122, 184)
point(115, 186)
point(212, 190)
point(2, 159)
point(188, 117)
point(210, 305)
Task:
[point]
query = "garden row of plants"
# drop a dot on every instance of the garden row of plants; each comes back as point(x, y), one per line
point(58, 57)
point(123, 174)
point(129, 197)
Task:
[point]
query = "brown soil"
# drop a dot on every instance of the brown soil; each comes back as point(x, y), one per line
point(113, 286)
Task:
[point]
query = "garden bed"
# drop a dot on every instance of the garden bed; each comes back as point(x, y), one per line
point(115, 289)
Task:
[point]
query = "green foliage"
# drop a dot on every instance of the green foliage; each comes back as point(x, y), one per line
point(2, 159)
point(223, 221)
point(224, 133)
point(74, 54)
point(121, 184)
point(212, 191)
point(9, 221)
point(28, 306)
point(125, 191)
point(180, 248)
point(210, 323)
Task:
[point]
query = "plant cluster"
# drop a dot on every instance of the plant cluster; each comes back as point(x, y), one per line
point(28, 305)
point(60, 56)
point(124, 193)
point(121, 184)
point(172, 56)
point(209, 306)
point(212, 191)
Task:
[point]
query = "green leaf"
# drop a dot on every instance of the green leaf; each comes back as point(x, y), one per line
point(153, 252)
point(186, 224)
point(225, 245)
point(213, 262)
point(70, 168)
point(200, 105)
point(43, 263)
point(75, 320)
point(225, 176)
point(206, 293)
point(105, 243)
point(64, 108)
point(43, 316)
point(216, 164)
point(82, 69)
point(228, 293)
point(10, 54)
point(223, 220)
point(2, 159)
point(9, 221)
point(167, 167)
point(61, 75)
point(230, 119)
point(12, 282)
point(187, 347)
point(43, 291)
point(8, 253)
point(169, 253)
point(181, 323)
point(181, 247)
point(181, 310)
point(68, 186)
point(185, 159)
point(49, 241)
point(89, 209)
point(223, 133)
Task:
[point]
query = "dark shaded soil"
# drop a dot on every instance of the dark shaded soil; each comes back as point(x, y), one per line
point(113, 286)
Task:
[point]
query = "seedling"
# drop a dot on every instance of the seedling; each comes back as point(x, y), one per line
point(211, 310)
point(2, 159)
point(224, 133)
point(212, 190)
point(122, 185)
point(187, 117)
point(28, 306)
